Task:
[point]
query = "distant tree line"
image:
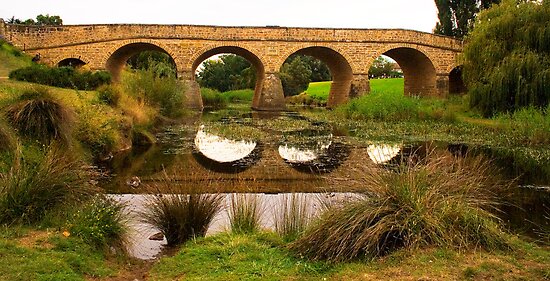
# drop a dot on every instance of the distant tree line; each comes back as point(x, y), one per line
point(40, 20)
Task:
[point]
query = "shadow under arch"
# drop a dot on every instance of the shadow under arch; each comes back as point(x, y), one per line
point(253, 59)
point(117, 60)
point(340, 70)
point(456, 84)
point(71, 62)
point(418, 71)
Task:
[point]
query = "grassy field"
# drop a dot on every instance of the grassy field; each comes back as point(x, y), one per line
point(320, 90)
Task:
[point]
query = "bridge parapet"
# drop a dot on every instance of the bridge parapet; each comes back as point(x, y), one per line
point(57, 36)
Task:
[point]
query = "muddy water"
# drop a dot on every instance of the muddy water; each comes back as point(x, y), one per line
point(271, 154)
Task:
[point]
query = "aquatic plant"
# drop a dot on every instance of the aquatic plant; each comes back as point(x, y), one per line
point(245, 212)
point(443, 201)
point(36, 114)
point(29, 190)
point(179, 217)
point(292, 215)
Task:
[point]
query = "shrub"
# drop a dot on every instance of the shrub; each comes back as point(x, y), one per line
point(213, 99)
point(245, 212)
point(109, 95)
point(180, 217)
point(38, 115)
point(381, 106)
point(63, 77)
point(238, 95)
point(157, 89)
point(444, 201)
point(529, 123)
point(30, 190)
point(100, 222)
point(293, 216)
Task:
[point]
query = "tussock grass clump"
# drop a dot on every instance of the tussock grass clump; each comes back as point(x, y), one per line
point(109, 95)
point(29, 190)
point(292, 216)
point(444, 201)
point(180, 217)
point(100, 222)
point(245, 213)
point(7, 139)
point(40, 116)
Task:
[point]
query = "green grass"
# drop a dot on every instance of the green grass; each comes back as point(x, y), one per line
point(236, 257)
point(245, 95)
point(11, 59)
point(42, 255)
point(263, 256)
point(319, 90)
point(392, 86)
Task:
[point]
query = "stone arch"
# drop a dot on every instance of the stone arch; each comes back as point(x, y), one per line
point(75, 62)
point(122, 52)
point(456, 84)
point(419, 68)
point(340, 69)
point(251, 57)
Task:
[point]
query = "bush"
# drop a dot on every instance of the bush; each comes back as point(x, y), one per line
point(30, 190)
point(109, 95)
point(213, 99)
point(159, 90)
point(180, 217)
point(63, 77)
point(100, 222)
point(444, 202)
point(38, 115)
point(293, 216)
point(245, 212)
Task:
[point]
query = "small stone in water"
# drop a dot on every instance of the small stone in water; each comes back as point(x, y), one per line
point(157, 237)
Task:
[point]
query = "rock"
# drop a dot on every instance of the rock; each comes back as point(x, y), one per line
point(157, 237)
point(133, 181)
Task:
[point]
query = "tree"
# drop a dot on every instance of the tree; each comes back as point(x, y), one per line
point(507, 57)
point(295, 76)
point(382, 67)
point(229, 72)
point(163, 65)
point(40, 20)
point(456, 17)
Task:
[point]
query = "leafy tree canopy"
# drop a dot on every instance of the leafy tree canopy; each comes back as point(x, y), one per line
point(40, 20)
point(456, 17)
point(229, 72)
point(507, 57)
point(382, 67)
point(295, 76)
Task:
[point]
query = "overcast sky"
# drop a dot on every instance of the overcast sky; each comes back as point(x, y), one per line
point(409, 14)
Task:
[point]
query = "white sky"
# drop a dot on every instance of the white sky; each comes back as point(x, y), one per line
point(408, 14)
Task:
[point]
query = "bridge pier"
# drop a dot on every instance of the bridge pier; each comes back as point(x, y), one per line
point(269, 94)
point(193, 98)
point(359, 86)
point(442, 85)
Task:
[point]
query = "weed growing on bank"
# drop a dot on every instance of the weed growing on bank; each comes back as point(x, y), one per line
point(100, 222)
point(30, 190)
point(292, 216)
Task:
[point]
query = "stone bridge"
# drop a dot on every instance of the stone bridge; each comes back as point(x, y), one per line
point(428, 61)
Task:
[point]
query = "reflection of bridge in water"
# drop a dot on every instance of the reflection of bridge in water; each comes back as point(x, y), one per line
point(227, 165)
